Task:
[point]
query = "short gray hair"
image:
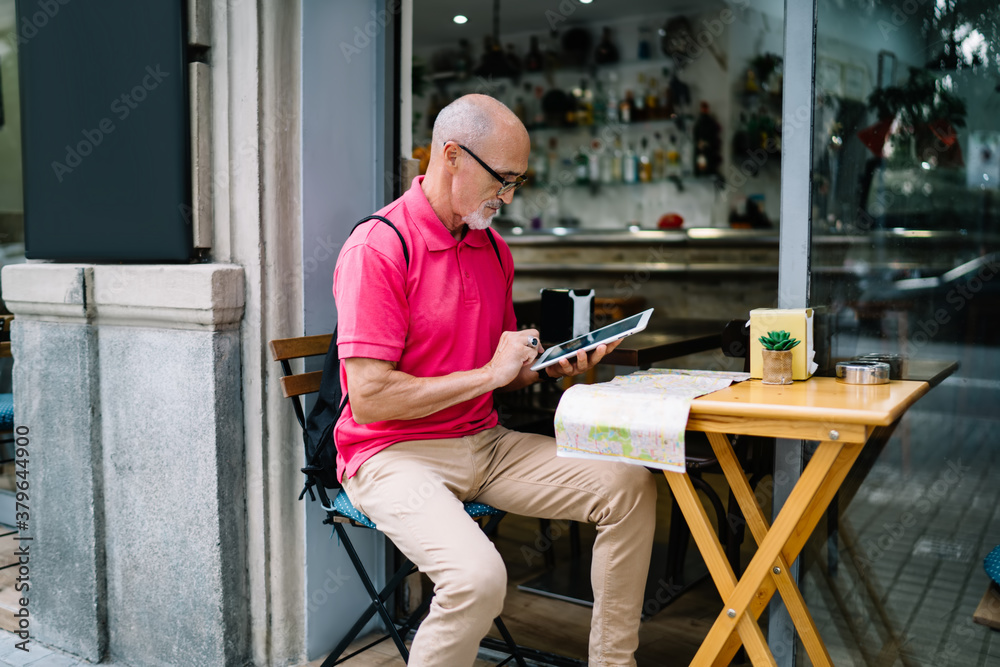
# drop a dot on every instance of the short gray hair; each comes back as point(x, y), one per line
point(468, 120)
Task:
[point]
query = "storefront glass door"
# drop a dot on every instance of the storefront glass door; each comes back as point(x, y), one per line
point(905, 253)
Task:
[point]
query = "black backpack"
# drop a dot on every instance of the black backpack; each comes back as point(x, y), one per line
point(321, 450)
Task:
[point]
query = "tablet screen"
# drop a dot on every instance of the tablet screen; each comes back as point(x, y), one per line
point(612, 332)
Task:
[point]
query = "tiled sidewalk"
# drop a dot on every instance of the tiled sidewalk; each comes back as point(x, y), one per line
point(36, 655)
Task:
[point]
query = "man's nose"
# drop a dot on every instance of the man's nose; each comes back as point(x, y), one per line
point(507, 197)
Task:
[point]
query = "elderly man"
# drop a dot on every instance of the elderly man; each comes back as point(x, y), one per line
point(425, 344)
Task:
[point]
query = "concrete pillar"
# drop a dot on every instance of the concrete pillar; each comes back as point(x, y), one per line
point(128, 378)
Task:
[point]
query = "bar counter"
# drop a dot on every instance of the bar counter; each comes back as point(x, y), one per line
point(714, 272)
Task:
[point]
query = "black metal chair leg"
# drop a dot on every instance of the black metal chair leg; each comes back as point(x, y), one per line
point(376, 598)
point(404, 571)
point(515, 651)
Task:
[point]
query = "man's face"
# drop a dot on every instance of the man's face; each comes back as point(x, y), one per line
point(475, 189)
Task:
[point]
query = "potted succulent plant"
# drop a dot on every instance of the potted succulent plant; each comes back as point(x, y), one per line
point(776, 357)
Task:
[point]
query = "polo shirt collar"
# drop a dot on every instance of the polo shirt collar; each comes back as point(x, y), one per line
point(433, 231)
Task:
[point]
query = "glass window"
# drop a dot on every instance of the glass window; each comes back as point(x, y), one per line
point(905, 256)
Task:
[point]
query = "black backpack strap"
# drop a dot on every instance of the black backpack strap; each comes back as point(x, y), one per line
point(496, 248)
point(406, 251)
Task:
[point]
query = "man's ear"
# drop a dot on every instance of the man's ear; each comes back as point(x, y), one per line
point(450, 154)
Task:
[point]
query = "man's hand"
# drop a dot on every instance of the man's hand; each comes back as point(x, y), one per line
point(516, 350)
point(582, 362)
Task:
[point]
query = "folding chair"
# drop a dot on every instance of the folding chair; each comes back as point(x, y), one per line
point(340, 511)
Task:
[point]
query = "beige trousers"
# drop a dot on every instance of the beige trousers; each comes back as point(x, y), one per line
point(414, 492)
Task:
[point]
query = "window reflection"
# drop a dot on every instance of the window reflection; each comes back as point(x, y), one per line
point(905, 256)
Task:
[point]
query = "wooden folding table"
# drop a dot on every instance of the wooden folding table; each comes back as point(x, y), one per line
point(842, 418)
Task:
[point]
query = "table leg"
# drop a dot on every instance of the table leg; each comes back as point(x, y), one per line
point(759, 526)
point(797, 517)
point(715, 557)
point(791, 550)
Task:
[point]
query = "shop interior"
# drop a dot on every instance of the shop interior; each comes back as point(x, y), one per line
point(657, 118)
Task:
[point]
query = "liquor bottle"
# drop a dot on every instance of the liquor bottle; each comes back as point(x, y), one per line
point(533, 61)
point(539, 115)
point(625, 108)
point(618, 162)
point(594, 162)
point(574, 115)
point(611, 114)
point(553, 159)
point(587, 103)
point(652, 101)
point(581, 167)
point(607, 166)
point(630, 166)
point(606, 52)
point(707, 143)
point(659, 158)
point(645, 163)
point(666, 98)
point(645, 43)
point(674, 167)
point(639, 101)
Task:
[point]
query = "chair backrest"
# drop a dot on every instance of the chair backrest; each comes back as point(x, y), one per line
point(295, 385)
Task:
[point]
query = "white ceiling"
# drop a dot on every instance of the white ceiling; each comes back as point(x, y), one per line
point(433, 25)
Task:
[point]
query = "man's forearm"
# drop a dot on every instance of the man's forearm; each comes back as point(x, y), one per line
point(379, 392)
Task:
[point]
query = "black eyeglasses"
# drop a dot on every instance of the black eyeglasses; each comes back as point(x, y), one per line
point(506, 186)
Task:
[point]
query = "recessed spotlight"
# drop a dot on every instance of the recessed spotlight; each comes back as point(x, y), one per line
point(586, 2)
point(459, 19)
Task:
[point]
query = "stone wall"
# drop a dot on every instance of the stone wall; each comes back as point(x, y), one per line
point(128, 381)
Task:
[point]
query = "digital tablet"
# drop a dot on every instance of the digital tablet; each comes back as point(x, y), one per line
point(586, 342)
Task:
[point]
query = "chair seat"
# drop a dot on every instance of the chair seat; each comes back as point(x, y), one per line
point(343, 505)
point(6, 412)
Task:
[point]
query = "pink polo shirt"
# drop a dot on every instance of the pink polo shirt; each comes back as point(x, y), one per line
point(443, 314)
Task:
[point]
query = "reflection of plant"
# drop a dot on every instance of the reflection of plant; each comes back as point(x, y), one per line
point(764, 65)
point(921, 100)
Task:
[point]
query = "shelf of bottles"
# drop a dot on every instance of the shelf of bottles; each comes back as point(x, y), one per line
point(594, 119)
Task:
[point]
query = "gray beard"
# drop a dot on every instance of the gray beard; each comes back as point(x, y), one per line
point(478, 218)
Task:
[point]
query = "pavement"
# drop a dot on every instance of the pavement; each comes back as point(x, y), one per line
point(36, 655)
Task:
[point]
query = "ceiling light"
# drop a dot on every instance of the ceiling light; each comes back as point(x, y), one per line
point(586, 2)
point(459, 19)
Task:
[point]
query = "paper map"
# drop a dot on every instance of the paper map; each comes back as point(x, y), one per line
point(637, 418)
